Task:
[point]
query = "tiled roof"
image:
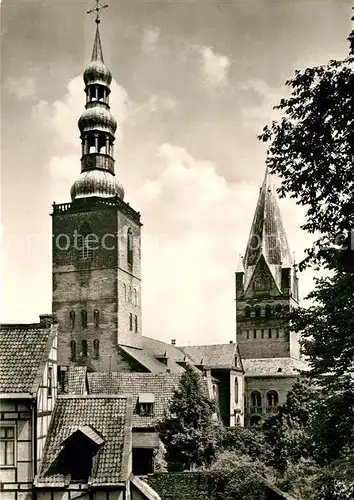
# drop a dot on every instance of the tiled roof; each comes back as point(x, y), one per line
point(145, 359)
point(218, 355)
point(77, 380)
point(23, 353)
point(173, 353)
point(162, 385)
point(270, 367)
point(110, 417)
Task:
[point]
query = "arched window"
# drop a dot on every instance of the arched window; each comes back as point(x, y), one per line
point(96, 317)
point(84, 319)
point(247, 334)
point(261, 282)
point(130, 321)
point(278, 309)
point(268, 311)
point(257, 311)
point(96, 348)
point(85, 242)
point(247, 312)
point(256, 398)
point(73, 349)
point(125, 291)
point(262, 333)
point(136, 322)
point(130, 247)
point(72, 319)
point(254, 334)
point(84, 348)
point(270, 333)
point(135, 297)
point(130, 294)
point(272, 397)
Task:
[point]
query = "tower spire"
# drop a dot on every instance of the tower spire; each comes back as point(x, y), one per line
point(97, 128)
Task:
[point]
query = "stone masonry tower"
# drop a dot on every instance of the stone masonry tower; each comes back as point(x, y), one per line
point(96, 242)
point(266, 285)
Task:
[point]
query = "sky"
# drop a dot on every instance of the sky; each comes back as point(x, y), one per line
point(194, 84)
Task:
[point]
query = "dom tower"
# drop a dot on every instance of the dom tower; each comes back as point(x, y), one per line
point(96, 242)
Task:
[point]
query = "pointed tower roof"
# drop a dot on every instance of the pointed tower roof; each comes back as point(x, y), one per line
point(97, 52)
point(267, 236)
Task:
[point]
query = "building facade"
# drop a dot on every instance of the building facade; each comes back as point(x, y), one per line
point(28, 391)
point(266, 292)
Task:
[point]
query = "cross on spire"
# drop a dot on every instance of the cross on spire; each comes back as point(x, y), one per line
point(97, 10)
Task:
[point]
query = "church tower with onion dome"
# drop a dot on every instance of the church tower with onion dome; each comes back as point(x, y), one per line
point(96, 242)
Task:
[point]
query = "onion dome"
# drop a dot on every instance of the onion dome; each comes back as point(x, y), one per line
point(96, 183)
point(97, 118)
point(97, 72)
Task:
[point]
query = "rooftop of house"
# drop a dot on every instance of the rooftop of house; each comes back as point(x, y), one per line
point(107, 421)
point(24, 350)
point(77, 379)
point(214, 356)
point(160, 386)
point(274, 367)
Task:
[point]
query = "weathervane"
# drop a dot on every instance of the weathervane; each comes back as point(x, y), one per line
point(99, 7)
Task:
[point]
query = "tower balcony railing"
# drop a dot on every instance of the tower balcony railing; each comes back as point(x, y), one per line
point(257, 410)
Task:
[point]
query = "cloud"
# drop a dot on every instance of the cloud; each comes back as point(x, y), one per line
point(215, 66)
point(150, 39)
point(255, 116)
point(61, 116)
point(23, 88)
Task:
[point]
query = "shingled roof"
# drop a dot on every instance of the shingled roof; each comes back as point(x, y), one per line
point(161, 385)
point(110, 417)
point(77, 379)
point(24, 350)
point(274, 367)
point(214, 356)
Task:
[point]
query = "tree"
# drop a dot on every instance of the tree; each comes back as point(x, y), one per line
point(190, 431)
point(311, 149)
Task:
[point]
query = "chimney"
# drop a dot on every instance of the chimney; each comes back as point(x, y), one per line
point(173, 341)
point(46, 320)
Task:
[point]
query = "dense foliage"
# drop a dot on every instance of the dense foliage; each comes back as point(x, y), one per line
point(190, 432)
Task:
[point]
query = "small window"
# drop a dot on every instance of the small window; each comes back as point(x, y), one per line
point(254, 334)
point(268, 311)
point(146, 409)
point(130, 247)
point(7, 445)
point(277, 334)
point(96, 348)
point(50, 381)
point(125, 291)
point(262, 333)
point(247, 334)
point(130, 321)
point(96, 317)
point(72, 319)
point(278, 309)
point(130, 294)
point(84, 348)
point(84, 319)
point(270, 333)
point(256, 398)
point(257, 311)
point(73, 349)
point(247, 312)
point(135, 297)
point(136, 323)
point(272, 397)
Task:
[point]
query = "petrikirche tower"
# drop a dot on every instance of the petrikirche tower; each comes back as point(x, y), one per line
point(96, 241)
point(266, 285)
